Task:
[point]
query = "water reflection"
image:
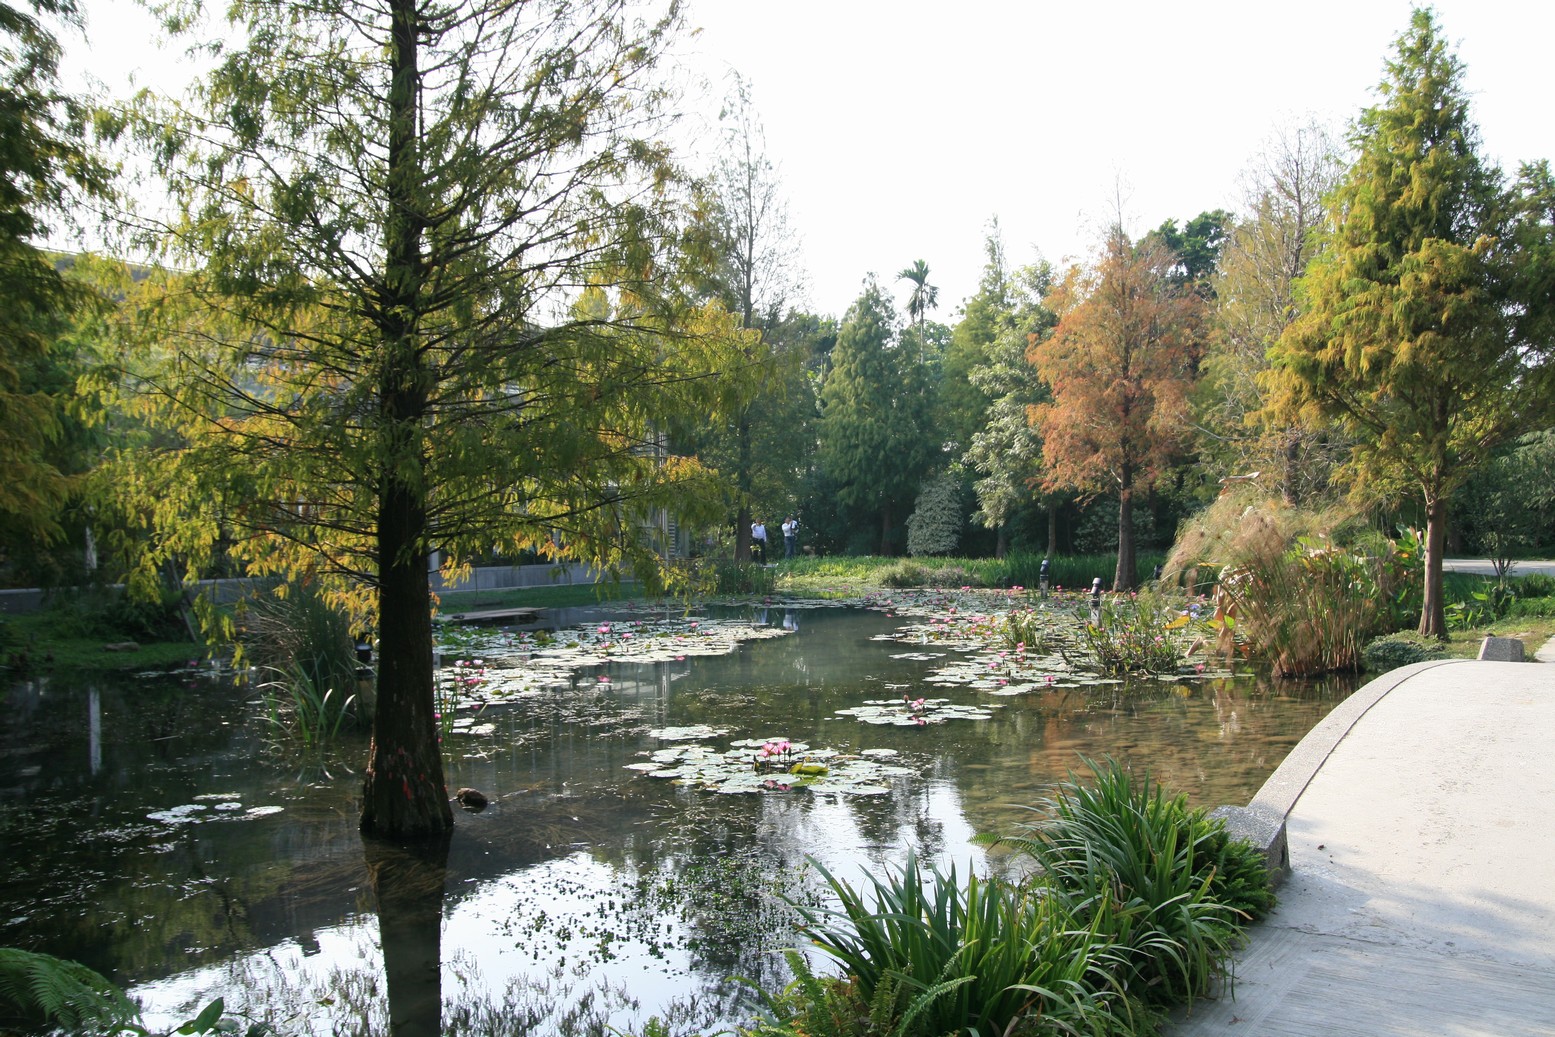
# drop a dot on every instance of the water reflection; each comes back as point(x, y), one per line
point(155, 834)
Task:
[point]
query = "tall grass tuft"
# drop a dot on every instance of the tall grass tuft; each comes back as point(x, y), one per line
point(307, 647)
point(1165, 884)
point(1304, 589)
point(926, 954)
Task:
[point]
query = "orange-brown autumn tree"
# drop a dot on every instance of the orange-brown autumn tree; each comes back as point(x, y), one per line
point(1121, 363)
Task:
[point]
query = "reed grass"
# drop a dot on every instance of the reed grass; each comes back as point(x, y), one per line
point(1305, 590)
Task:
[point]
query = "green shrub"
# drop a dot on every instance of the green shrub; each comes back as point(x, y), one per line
point(1391, 651)
point(1534, 585)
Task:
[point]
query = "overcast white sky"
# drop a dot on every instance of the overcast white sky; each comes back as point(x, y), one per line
point(902, 126)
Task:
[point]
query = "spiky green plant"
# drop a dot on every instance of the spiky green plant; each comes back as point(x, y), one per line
point(1165, 881)
point(939, 956)
point(295, 703)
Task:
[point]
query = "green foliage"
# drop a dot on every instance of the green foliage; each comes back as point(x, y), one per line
point(743, 578)
point(44, 169)
point(930, 955)
point(1139, 634)
point(38, 991)
point(1401, 649)
point(875, 433)
point(1508, 505)
point(308, 647)
point(919, 574)
point(1420, 328)
point(1028, 628)
point(934, 527)
point(1163, 881)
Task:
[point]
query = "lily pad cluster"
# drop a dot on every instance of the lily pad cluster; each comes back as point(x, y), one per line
point(767, 765)
point(500, 665)
point(919, 712)
point(214, 806)
point(1007, 643)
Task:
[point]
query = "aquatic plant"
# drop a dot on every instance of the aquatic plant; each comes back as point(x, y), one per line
point(773, 764)
point(298, 705)
point(1137, 634)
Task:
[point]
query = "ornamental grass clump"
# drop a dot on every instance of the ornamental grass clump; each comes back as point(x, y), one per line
point(925, 954)
point(1137, 905)
point(1167, 886)
point(1306, 590)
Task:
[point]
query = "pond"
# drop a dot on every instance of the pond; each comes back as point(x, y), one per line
point(154, 831)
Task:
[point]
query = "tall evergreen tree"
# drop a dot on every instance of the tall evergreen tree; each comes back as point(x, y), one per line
point(1414, 334)
point(875, 443)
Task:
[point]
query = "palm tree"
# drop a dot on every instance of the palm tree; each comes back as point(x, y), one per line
point(924, 298)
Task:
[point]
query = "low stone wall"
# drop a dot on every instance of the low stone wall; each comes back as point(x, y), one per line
point(1262, 821)
point(484, 578)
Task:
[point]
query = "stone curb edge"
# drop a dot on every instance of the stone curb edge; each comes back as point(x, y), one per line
point(1262, 821)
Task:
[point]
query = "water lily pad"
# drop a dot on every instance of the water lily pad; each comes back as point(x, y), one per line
point(747, 767)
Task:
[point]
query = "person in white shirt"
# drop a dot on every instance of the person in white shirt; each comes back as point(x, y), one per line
point(790, 536)
point(759, 541)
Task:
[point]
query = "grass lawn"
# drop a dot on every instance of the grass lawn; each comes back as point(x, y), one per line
point(1533, 631)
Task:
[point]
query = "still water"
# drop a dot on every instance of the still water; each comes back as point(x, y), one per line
point(154, 831)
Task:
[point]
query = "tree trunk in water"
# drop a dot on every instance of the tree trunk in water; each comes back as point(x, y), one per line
point(1001, 546)
point(408, 881)
point(1123, 577)
point(1433, 612)
point(403, 796)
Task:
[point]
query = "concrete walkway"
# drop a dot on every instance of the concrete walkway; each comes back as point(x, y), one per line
point(1421, 899)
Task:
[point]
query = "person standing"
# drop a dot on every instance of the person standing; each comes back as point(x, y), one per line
point(790, 536)
point(759, 542)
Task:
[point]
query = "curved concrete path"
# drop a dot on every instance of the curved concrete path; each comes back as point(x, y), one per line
point(1420, 818)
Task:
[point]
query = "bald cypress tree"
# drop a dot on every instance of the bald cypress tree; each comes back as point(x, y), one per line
point(1412, 334)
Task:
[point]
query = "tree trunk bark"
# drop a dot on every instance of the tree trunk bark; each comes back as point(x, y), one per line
point(1433, 611)
point(1052, 529)
point(885, 529)
point(743, 482)
point(1123, 578)
point(403, 795)
point(1001, 545)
